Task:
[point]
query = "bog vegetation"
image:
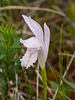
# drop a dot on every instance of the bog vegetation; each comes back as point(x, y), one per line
point(48, 29)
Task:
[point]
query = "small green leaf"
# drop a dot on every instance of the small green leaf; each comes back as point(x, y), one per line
point(16, 45)
point(15, 60)
point(16, 29)
point(68, 89)
point(13, 86)
point(2, 40)
point(72, 85)
point(2, 56)
point(1, 74)
point(2, 46)
point(54, 84)
point(19, 71)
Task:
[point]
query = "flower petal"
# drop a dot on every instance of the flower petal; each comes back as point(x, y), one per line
point(34, 26)
point(32, 42)
point(46, 38)
point(29, 58)
point(41, 57)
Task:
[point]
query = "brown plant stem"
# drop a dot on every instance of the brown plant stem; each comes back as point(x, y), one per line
point(32, 8)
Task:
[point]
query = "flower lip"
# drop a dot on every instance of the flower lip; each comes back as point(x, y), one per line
point(29, 58)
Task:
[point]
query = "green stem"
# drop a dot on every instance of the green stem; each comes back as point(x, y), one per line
point(8, 85)
point(44, 79)
point(60, 58)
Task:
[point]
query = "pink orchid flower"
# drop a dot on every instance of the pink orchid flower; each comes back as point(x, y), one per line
point(37, 47)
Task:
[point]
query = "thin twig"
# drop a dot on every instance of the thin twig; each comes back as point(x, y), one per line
point(16, 89)
point(32, 8)
point(65, 54)
point(64, 76)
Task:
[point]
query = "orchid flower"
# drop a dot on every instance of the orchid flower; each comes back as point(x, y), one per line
point(37, 46)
